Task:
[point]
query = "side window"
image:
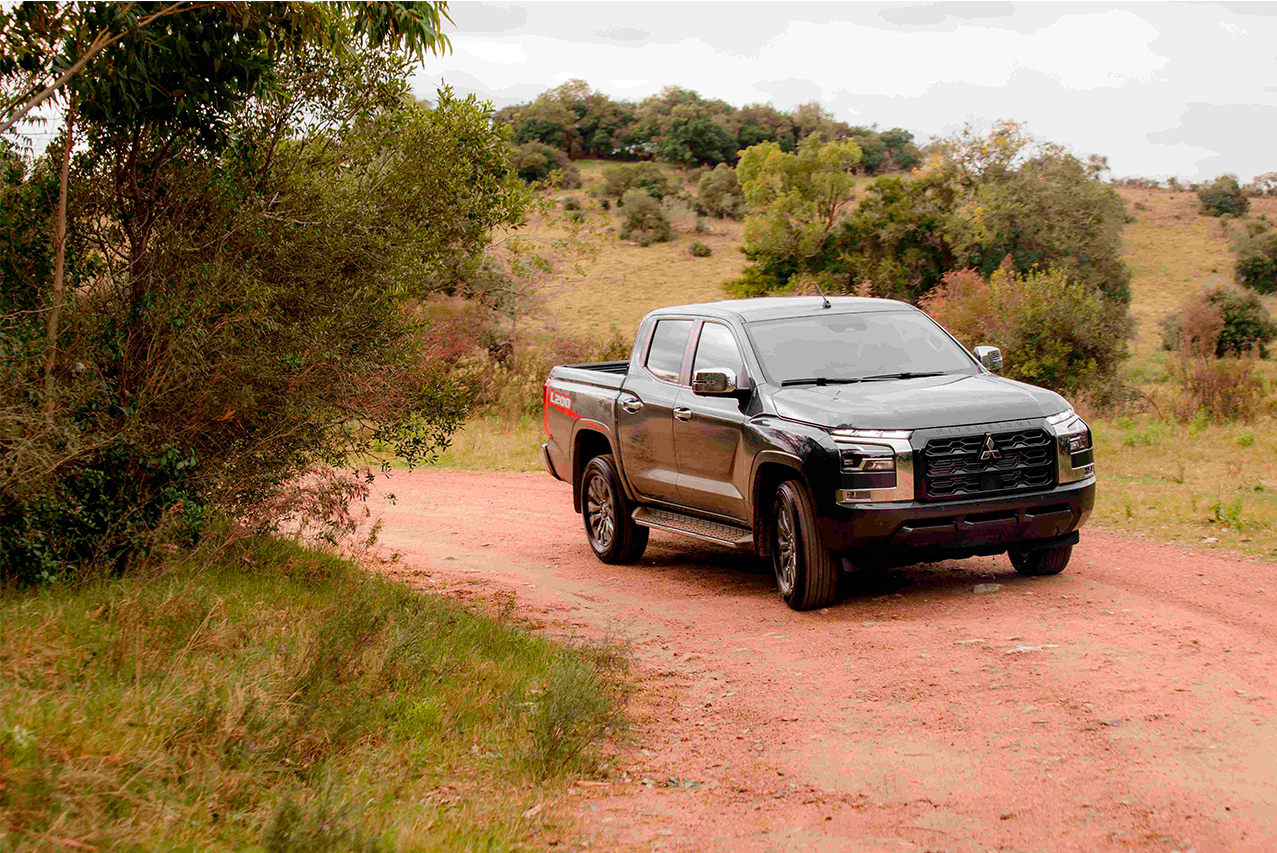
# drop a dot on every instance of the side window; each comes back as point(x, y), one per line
point(665, 355)
point(717, 348)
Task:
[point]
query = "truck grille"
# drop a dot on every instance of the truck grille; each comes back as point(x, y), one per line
point(966, 465)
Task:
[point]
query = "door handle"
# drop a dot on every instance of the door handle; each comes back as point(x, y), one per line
point(683, 413)
point(632, 405)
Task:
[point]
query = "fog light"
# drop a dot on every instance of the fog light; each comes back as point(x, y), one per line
point(851, 496)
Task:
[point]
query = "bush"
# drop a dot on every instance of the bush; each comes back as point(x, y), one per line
point(1256, 265)
point(1245, 324)
point(646, 221)
point(719, 193)
point(1223, 195)
point(1060, 334)
point(1222, 389)
point(700, 250)
point(535, 161)
point(571, 203)
point(649, 177)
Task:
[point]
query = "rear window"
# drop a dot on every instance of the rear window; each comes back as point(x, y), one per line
point(665, 355)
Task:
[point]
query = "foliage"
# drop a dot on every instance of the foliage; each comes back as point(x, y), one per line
point(1245, 324)
point(1054, 332)
point(536, 162)
point(895, 239)
point(649, 177)
point(719, 192)
point(700, 250)
point(191, 331)
point(645, 220)
point(1256, 266)
point(272, 697)
point(1223, 195)
point(797, 200)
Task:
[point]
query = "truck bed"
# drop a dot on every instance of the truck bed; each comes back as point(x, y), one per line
point(602, 374)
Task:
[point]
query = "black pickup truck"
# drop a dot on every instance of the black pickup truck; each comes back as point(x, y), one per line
point(829, 435)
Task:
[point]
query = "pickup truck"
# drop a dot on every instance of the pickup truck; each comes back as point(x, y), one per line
point(829, 435)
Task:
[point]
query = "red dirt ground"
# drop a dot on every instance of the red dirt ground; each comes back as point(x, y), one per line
point(1127, 703)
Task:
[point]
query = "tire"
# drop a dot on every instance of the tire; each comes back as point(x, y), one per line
point(806, 573)
point(613, 536)
point(1045, 561)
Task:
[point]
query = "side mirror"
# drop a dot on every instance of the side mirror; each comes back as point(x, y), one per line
point(714, 382)
point(990, 357)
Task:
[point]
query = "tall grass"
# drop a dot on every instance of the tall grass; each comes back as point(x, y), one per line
point(283, 699)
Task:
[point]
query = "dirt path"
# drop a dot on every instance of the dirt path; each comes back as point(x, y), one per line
point(1127, 703)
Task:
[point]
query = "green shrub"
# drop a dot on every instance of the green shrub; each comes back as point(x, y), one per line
point(1056, 333)
point(571, 203)
point(700, 250)
point(1246, 324)
point(1246, 438)
point(646, 221)
point(536, 161)
point(101, 511)
point(1223, 195)
point(649, 177)
point(719, 193)
point(1256, 265)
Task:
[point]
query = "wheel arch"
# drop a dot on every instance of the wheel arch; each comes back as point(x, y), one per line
point(588, 442)
point(771, 468)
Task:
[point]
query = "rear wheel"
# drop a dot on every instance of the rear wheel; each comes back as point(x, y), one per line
point(806, 573)
point(611, 532)
point(1044, 561)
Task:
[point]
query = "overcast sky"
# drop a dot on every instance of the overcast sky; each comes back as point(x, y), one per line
point(1162, 89)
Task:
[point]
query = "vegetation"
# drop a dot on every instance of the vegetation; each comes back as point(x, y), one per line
point(645, 220)
point(166, 356)
point(1256, 266)
point(1054, 331)
point(718, 193)
point(700, 250)
point(649, 177)
point(1223, 196)
point(259, 695)
point(680, 126)
point(536, 162)
point(1245, 326)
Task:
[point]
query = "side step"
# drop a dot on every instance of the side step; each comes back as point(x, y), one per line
point(731, 535)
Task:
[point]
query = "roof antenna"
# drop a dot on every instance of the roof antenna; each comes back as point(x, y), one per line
point(823, 297)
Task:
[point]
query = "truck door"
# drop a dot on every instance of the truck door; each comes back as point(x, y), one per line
point(708, 431)
point(645, 418)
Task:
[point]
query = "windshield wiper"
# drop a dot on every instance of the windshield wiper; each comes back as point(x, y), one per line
point(879, 376)
point(820, 380)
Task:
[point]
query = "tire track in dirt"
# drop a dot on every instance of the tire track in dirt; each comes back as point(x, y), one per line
point(1123, 704)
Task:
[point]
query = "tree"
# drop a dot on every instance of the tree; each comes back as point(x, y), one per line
point(200, 363)
point(797, 200)
point(719, 192)
point(1223, 195)
point(1256, 265)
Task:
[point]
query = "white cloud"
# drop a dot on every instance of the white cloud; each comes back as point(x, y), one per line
point(500, 52)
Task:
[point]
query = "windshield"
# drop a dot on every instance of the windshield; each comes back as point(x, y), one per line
point(844, 347)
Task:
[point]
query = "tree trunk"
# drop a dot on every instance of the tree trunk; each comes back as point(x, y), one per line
point(59, 262)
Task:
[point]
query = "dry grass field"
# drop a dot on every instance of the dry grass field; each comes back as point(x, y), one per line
point(1209, 485)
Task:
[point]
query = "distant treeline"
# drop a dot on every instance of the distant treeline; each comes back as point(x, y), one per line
point(680, 126)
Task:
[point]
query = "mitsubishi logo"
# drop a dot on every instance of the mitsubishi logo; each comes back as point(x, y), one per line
point(990, 450)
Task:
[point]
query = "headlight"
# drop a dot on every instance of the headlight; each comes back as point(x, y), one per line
point(1079, 441)
point(843, 436)
point(1060, 417)
point(868, 457)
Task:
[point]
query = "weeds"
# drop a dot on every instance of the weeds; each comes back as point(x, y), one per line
point(275, 697)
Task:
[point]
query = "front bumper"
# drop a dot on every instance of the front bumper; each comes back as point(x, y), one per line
point(913, 531)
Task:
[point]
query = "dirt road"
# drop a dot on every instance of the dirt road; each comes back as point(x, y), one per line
point(1127, 703)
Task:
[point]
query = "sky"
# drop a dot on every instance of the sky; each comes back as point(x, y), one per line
point(1161, 89)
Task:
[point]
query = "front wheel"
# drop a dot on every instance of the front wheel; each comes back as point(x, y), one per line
point(611, 532)
point(806, 573)
point(1044, 561)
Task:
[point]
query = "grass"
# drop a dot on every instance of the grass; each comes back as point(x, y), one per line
point(489, 443)
point(277, 698)
point(1188, 482)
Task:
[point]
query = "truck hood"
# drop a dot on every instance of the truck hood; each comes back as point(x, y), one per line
point(925, 403)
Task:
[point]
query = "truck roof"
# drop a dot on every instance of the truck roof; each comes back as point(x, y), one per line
point(782, 307)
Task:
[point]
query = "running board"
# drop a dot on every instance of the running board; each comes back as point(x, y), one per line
point(731, 535)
